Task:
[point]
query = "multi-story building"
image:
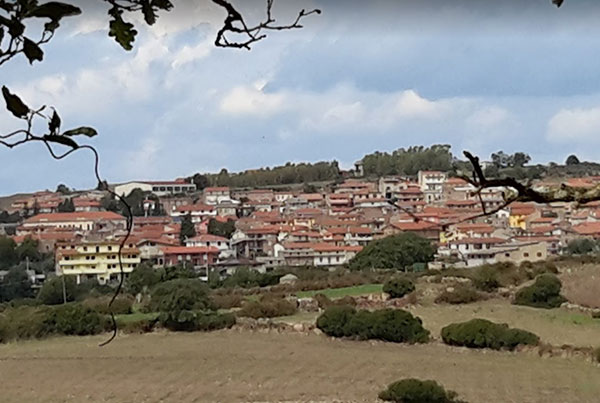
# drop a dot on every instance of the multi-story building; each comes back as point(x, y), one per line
point(432, 185)
point(88, 260)
point(159, 188)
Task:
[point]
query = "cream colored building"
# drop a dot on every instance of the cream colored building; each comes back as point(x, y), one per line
point(95, 260)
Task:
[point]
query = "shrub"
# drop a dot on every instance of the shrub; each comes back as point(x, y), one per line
point(226, 301)
point(334, 320)
point(398, 287)
point(596, 315)
point(394, 252)
point(597, 354)
point(51, 292)
point(75, 319)
point(137, 326)
point(387, 324)
point(481, 333)
point(29, 322)
point(180, 295)
point(417, 391)
point(248, 278)
point(122, 305)
point(544, 293)
point(267, 307)
point(462, 294)
point(190, 321)
point(486, 278)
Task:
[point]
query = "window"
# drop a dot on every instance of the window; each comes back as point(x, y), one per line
point(507, 254)
point(525, 254)
point(97, 249)
point(85, 248)
point(109, 248)
point(539, 254)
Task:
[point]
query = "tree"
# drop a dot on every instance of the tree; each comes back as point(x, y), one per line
point(66, 206)
point(15, 285)
point(201, 181)
point(63, 189)
point(188, 230)
point(144, 277)
point(582, 246)
point(51, 292)
point(394, 252)
point(218, 228)
point(8, 254)
point(519, 159)
point(572, 160)
point(28, 249)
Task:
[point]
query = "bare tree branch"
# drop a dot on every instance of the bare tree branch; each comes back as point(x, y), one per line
point(235, 24)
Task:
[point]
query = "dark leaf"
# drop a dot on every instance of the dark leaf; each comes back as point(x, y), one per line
point(65, 141)
point(54, 123)
point(14, 104)
point(149, 14)
point(54, 10)
point(15, 27)
point(32, 51)
point(557, 3)
point(162, 4)
point(84, 131)
point(122, 31)
point(51, 26)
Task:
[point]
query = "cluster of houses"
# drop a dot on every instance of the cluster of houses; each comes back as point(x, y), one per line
point(276, 228)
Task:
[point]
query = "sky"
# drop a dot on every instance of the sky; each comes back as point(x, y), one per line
point(481, 75)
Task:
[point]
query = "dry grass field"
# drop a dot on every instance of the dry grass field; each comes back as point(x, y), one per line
point(235, 366)
point(554, 326)
point(581, 284)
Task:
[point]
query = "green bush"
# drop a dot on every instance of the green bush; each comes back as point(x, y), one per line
point(544, 293)
point(122, 305)
point(394, 252)
point(75, 319)
point(481, 333)
point(596, 315)
point(267, 307)
point(34, 322)
point(180, 295)
point(137, 326)
point(387, 324)
point(398, 287)
point(462, 294)
point(334, 320)
point(191, 321)
point(248, 278)
point(417, 391)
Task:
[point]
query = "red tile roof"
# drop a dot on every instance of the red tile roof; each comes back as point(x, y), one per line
point(77, 216)
point(184, 250)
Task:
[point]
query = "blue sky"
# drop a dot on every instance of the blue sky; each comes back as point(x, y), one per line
point(362, 76)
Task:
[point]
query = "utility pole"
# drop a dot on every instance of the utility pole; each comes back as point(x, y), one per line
point(64, 289)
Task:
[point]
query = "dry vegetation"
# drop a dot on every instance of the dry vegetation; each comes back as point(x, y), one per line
point(232, 366)
point(581, 284)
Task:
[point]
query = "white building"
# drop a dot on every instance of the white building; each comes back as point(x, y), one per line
point(432, 185)
point(159, 188)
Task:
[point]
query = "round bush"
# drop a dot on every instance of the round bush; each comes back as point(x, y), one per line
point(180, 295)
point(267, 307)
point(544, 293)
point(74, 319)
point(334, 320)
point(387, 324)
point(398, 287)
point(122, 305)
point(481, 333)
point(417, 391)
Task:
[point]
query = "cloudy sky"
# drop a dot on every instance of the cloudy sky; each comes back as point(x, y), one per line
point(363, 76)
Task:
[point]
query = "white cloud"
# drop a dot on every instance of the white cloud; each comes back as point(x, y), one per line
point(188, 54)
point(411, 105)
point(253, 101)
point(574, 124)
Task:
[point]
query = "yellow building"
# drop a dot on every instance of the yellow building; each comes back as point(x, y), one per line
point(95, 260)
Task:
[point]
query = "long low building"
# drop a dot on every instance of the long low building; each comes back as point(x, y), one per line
point(82, 221)
point(159, 188)
point(317, 254)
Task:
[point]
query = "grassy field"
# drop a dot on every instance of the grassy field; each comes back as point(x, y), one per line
point(342, 292)
point(555, 326)
point(250, 367)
